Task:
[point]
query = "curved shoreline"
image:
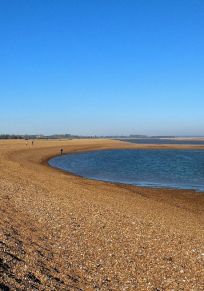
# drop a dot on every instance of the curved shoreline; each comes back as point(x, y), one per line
point(184, 193)
point(60, 231)
point(166, 195)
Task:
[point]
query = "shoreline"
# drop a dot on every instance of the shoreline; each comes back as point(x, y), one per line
point(184, 193)
point(61, 231)
point(172, 194)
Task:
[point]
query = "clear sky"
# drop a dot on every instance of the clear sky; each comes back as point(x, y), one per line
point(102, 66)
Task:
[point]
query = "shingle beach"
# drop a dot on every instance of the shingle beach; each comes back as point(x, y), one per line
point(63, 232)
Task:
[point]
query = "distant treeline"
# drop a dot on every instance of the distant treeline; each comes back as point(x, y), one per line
point(54, 136)
point(70, 136)
point(11, 136)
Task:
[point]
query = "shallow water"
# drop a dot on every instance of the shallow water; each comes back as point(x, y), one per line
point(154, 168)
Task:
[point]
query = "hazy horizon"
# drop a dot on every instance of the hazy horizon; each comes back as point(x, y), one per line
point(102, 135)
point(102, 68)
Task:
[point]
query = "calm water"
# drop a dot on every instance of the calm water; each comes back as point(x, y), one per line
point(155, 168)
point(163, 141)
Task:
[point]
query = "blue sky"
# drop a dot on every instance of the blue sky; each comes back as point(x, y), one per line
point(102, 67)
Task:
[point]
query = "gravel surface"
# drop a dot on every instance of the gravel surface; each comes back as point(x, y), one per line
point(62, 232)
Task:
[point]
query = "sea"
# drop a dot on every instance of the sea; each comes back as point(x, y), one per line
point(166, 168)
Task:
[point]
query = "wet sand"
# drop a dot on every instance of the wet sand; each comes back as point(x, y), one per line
point(62, 232)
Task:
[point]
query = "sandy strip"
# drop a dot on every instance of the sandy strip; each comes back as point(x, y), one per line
point(62, 232)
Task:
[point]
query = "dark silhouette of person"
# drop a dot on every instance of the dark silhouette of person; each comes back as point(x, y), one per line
point(61, 151)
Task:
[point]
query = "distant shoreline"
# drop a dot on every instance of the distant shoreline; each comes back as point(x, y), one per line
point(164, 138)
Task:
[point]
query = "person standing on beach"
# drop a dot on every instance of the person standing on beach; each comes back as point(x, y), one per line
point(61, 151)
